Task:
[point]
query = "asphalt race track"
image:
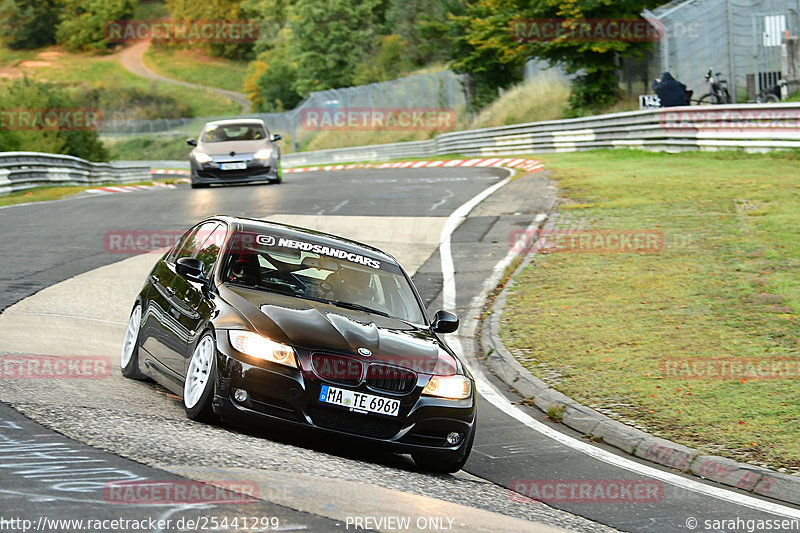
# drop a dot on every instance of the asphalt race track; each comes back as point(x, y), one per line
point(124, 428)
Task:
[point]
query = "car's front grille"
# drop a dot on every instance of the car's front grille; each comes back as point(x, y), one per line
point(233, 174)
point(357, 424)
point(337, 368)
point(390, 378)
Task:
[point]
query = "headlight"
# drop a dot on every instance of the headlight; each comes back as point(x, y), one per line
point(264, 153)
point(452, 387)
point(202, 157)
point(255, 345)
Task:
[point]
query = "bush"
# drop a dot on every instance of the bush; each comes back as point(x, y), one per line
point(29, 23)
point(83, 22)
point(34, 96)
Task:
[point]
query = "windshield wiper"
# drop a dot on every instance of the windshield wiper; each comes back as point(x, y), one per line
point(356, 307)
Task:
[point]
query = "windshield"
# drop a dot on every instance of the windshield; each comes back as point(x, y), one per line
point(233, 132)
point(320, 272)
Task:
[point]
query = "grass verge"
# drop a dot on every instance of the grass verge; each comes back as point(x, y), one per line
point(603, 327)
point(147, 148)
point(47, 194)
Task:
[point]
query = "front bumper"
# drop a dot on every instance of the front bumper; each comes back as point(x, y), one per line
point(288, 395)
point(257, 170)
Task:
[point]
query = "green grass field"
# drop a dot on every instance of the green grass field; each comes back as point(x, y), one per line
point(105, 72)
point(195, 66)
point(601, 326)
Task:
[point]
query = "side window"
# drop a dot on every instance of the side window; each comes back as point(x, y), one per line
point(195, 240)
point(187, 237)
point(210, 251)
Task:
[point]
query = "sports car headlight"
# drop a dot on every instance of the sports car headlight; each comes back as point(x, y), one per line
point(255, 345)
point(452, 387)
point(202, 157)
point(264, 153)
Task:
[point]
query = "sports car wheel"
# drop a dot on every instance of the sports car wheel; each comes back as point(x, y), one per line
point(198, 390)
point(129, 359)
point(436, 463)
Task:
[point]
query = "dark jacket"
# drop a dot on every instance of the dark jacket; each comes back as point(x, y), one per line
point(670, 91)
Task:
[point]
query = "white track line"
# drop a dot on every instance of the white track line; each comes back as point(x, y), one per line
point(493, 396)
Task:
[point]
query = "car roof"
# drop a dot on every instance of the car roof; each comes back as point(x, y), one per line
point(256, 225)
point(235, 121)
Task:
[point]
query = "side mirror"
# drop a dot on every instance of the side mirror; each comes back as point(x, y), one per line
point(444, 322)
point(276, 137)
point(191, 142)
point(190, 268)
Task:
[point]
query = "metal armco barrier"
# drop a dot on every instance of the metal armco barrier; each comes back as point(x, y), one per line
point(725, 127)
point(26, 170)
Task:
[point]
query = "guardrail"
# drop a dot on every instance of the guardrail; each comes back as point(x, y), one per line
point(748, 127)
point(26, 170)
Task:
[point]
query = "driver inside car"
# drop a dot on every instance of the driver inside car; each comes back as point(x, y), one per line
point(245, 269)
point(350, 285)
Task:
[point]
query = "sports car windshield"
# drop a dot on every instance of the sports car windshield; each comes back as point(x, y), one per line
point(233, 132)
point(320, 272)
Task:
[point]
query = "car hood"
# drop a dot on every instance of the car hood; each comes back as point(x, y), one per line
point(318, 326)
point(240, 147)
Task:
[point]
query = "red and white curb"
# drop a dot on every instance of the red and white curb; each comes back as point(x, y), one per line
point(177, 171)
point(129, 188)
point(531, 165)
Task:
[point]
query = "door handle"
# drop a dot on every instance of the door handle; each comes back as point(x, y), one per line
point(171, 291)
point(155, 278)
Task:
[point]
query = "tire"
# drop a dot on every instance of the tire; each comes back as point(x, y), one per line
point(438, 464)
point(198, 388)
point(770, 99)
point(279, 178)
point(129, 358)
point(705, 99)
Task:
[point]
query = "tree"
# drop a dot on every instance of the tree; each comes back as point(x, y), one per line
point(25, 95)
point(422, 25)
point(329, 40)
point(84, 22)
point(271, 78)
point(488, 49)
point(216, 10)
point(29, 23)
point(272, 16)
point(483, 49)
point(593, 61)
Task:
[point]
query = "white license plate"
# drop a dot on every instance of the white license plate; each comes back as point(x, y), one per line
point(358, 401)
point(233, 166)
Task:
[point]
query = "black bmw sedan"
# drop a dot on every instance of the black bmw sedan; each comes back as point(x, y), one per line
point(247, 319)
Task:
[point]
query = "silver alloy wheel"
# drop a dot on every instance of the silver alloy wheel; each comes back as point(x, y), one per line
point(131, 336)
point(198, 376)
